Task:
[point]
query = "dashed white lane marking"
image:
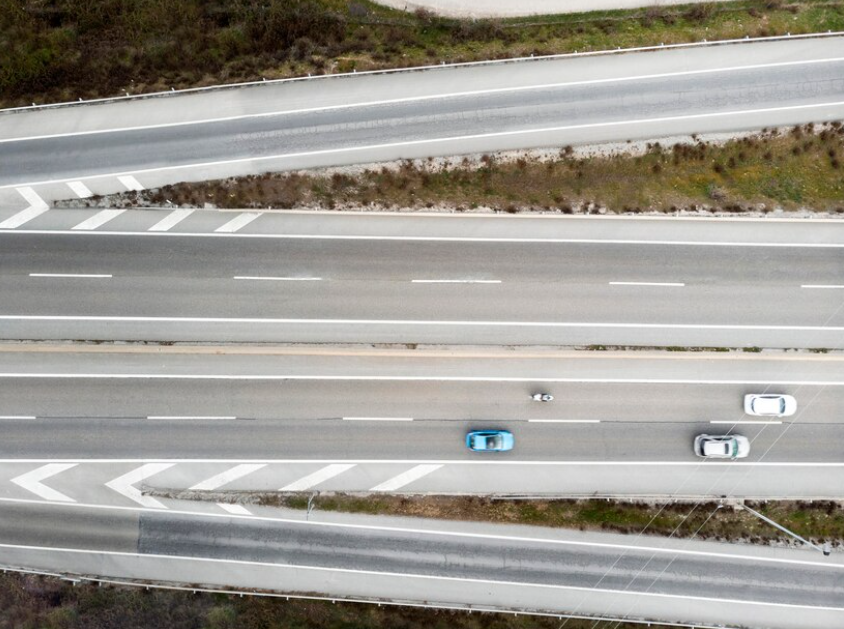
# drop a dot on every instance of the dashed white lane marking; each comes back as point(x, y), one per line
point(31, 481)
point(171, 220)
point(80, 189)
point(320, 476)
point(822, 286)
point(455, 281)
point(405, 478)
point(37, 206)
point(378, 419)
point(98, 220)
point(17, 416)
point(747, 422)
point(234, 509)
point(239, 221)
point(190, 417)
point(125, 484)
point(565, 421)
point(277, 279)
point(130, 183)
point(84, 276)
point(679, 284)
point(238, 471)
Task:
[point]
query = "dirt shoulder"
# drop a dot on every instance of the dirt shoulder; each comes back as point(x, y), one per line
point(792, 170)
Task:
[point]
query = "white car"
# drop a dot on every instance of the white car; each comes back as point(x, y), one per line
point(722, 446)
point(769, 405)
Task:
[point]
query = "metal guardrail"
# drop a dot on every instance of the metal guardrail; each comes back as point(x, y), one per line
point(575, 54)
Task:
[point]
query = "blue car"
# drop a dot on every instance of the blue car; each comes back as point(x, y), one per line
point(490, 441)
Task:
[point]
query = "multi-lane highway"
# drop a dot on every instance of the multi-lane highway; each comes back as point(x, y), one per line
point(143, 143)
point(481, 280)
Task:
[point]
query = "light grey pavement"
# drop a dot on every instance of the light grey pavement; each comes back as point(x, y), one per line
point(508, 8)
point(272, 418)
point(440, 563)
point(460, 280)
point(448, 111)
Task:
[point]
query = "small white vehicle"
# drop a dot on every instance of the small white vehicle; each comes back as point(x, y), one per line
point(542, 397)
point(722, 446)
point(769, 405)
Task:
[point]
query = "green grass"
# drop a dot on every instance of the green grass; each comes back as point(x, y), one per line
point(67, 49)
point(30, 602)
point(793, 170)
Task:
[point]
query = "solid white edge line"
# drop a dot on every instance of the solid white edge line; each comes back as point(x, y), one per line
point(647, 284)
point(277, 279)
point(457, 239)
point(429, 97)
point(190, 417)
point(565, 421)
point(822, 286)
point(429, 141)
point(73, 275)
point(826, 563)
point(17, 417)
point(747, 422)
point(378, 419)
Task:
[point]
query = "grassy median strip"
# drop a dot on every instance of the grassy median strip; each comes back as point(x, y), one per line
point(70, 49)
point(781, 169)
point(29, 602)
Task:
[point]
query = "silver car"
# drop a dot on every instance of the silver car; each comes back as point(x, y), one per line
point(722, 446)
point(769, 405)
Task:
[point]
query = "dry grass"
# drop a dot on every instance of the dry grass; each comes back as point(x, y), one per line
point(797, 169)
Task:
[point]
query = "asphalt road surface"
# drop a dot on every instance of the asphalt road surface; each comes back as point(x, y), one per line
point(447, 111)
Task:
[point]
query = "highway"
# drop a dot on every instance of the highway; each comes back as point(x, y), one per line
point(547, 281)
point(144, 143)
point(478, 565)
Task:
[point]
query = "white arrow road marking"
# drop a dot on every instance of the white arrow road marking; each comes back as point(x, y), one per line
point(37, 206)
point(234, 509)
point(238, 471)
point(98, 220)
point(131, 183)
point(126, 484)
point(320, 476)
point(31, 481)
point(80, 189)
point(241, 220)
point(405, 478)
point(171, 220)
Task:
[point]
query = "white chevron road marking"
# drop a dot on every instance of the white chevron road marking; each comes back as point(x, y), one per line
point(171, 220)
point(31, 481)
point(98, 220)
point(241, 220)
point(131, 184)
point(234, 509)
point(80, 189)
point(405, 478)
point(125, 484)
point(320, 476)
point(238, 471)
point(37, 206)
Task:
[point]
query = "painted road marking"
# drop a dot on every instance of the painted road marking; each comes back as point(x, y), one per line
point(31, 481)
point(748, 422)
point(17, 416)
point(234, 509)
point(130, 183)
point(171, 220)
point(378, 419)
point(680, 284)
point(822, 286)
point(84, 276)
point(125, 485)
point(456, 281)
point(277, 279)
point(223, 478)
point(98, 220)
point(239, 221)
point(427, 97)
point(37, 206)
point(405, 478)
point(543, 132)
point(80, 189)
point(565, 421)
point(191, 417)
point(320, 476)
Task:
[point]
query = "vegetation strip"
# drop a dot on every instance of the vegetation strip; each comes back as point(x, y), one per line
point(773, 170)
point(67, 49)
